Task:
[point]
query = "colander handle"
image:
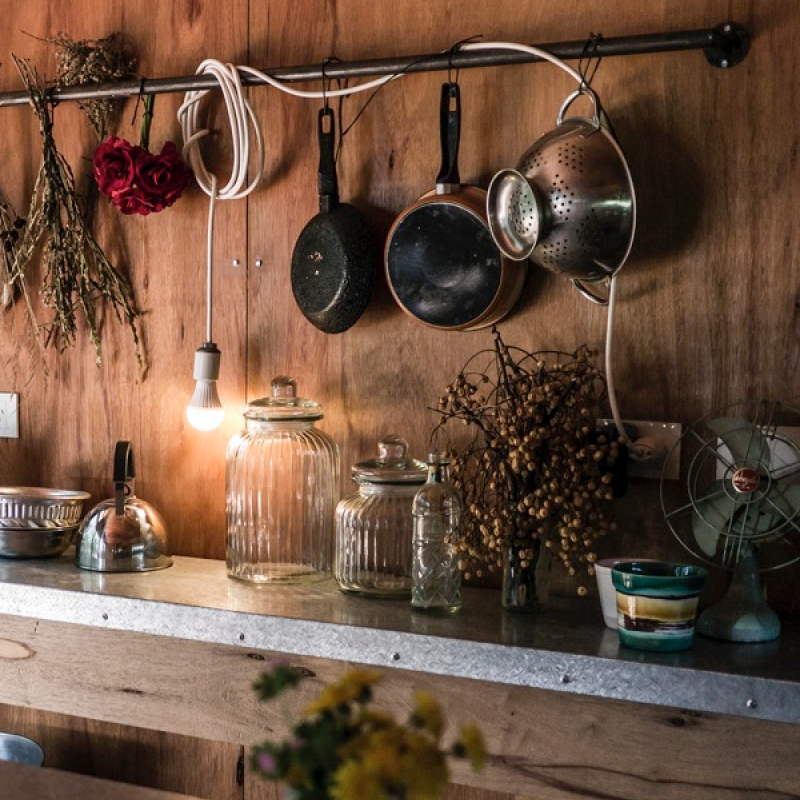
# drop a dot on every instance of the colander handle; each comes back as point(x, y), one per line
point(588, 293)
point(591, 94)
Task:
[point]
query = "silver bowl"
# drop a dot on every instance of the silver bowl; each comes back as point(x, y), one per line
point(44, 541)
point(36, 522)
point(14, 747)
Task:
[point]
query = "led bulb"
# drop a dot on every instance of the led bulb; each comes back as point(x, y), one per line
point(205, 411)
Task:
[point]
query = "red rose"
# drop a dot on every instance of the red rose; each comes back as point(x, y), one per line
point(134, 201)
point(114, 165)
point(137, 181)
point(164, 177)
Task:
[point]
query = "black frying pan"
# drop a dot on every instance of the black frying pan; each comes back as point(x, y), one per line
point(334, 260)
point(442, 264)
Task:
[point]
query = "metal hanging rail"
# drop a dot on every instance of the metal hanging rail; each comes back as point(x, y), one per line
point(724, 46)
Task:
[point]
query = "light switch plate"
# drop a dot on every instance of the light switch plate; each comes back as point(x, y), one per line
point(9, 415)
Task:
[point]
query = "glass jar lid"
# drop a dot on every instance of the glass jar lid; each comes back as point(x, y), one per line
point(392, 464)
point(283, 404)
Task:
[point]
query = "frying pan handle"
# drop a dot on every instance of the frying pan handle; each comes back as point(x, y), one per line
point(327, 184)
point(123, 473)
point(588, 293)
point(448, 180)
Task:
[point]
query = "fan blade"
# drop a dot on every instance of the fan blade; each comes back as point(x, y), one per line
point(744, 440)
point(784, 500)
point(713, 513)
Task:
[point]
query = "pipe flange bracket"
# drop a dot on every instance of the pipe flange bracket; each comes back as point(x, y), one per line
point(731, 44)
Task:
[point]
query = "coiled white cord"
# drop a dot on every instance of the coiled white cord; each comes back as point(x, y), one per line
point(244, 126)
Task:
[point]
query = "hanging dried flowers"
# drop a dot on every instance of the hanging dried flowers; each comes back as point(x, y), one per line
point(93, 61)
point(535, 471)
point(136, 180)
point(79, 278)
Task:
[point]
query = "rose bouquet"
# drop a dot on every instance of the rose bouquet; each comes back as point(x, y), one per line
point(136, 180)
point(344, 748)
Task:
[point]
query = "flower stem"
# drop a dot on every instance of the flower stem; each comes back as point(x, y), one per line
point(147, 121)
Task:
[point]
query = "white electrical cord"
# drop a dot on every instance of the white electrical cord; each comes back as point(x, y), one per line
point(637, 453)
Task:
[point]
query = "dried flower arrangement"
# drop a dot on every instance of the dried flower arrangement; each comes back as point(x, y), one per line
point(344, 748)
point(536, 473)
point(79, 278)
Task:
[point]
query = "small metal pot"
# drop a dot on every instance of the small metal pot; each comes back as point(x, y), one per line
point(124, 533)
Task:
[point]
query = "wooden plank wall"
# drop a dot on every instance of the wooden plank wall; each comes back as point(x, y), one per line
point(708, 300)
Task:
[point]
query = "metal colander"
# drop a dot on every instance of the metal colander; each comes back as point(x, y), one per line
point(570, 204)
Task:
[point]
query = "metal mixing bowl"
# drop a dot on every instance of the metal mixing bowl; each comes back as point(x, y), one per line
point(36, 522)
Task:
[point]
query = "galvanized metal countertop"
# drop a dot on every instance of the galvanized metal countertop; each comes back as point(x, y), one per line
point(562, 647)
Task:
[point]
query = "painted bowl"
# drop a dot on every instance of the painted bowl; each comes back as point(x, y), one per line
point(657, 603)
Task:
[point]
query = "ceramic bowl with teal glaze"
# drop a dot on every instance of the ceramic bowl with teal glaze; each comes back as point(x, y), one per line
point(657, 603)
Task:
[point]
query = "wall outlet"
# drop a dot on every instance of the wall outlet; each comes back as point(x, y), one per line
point(660, 440)
point(9, 415)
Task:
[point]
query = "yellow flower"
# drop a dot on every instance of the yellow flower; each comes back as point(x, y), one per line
point(352, 686)
point(381, 753)
point(355, 781)
point(470, 741)
point(425, 773)
point(428, 714)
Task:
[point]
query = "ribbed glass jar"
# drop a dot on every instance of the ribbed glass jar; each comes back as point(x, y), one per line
point(374, 527)
point(282, 483)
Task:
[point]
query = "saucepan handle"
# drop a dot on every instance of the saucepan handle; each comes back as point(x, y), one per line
point(448, 180)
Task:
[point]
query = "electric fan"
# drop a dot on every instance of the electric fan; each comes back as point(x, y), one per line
point(739, 509)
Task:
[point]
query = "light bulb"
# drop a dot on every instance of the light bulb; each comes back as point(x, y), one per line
point(205, 411)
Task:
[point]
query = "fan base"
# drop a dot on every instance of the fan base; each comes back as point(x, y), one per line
point(732, 621)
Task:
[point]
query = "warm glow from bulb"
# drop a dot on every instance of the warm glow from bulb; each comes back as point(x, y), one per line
point(205, 411)
point(205, 419)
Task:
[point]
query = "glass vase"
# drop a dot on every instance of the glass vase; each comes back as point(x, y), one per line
point(525, 576)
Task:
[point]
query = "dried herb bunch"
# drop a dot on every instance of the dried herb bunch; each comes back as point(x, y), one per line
point(11, 226)
point(93, 61)
point(536, 472)
point(79, 279)
point(12, 285)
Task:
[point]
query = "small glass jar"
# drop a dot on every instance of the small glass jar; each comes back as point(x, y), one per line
point(282, 484)
point(374, 528)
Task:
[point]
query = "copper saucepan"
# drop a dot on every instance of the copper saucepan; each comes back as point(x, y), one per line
point(442, 264)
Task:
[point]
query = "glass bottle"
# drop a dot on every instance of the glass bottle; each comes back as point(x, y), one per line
point(374, 528)
point(282, 483)
point(436, 578)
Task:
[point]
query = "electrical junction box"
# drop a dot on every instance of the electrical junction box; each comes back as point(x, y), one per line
point(9, 415)
point(659, 440)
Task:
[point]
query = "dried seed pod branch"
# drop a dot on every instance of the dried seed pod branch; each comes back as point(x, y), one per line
point(78, 275)
point(536, 472)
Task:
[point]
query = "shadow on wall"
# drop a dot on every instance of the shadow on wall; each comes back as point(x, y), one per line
point(668, 181)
